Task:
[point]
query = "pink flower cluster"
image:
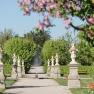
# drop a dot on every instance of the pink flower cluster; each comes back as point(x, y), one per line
point(45, 24)
point(39, 5)
point(90, 20)
point(25, 6)
point(67, 21)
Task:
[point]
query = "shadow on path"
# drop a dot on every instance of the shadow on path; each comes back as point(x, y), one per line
point(13, 87)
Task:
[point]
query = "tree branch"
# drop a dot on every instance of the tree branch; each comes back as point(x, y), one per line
point(77, 27)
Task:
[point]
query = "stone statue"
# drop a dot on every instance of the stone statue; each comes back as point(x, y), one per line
point(73, 54)
point(18, 61)
point(73, 77)
point(14, 59)
point(57, 59)
point(1, 55)
point(23, 70)
point(48, 62)
point(14, 68)
point(2, 85)
point(52, 61)
point(19, 67)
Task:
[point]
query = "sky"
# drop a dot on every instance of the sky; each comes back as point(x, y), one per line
point(11, 17)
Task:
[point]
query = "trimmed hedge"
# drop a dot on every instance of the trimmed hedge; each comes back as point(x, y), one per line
point(7, 69)
point(64, 70)
point(82, 69)
point(89, 69)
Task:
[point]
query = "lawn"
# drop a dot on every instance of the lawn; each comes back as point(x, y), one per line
point(84, 84)
point(8, 83)
point(61, 81)
point(80, 91)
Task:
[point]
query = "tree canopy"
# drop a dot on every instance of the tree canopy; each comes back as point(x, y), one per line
point(23, 48)
point(66, 9)
point(38, 36)
point(51, 47)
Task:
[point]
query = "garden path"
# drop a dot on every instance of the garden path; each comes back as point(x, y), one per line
point(31, 85)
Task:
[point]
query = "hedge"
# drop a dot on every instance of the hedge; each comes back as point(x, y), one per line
point(89, 69)
point(7, 69)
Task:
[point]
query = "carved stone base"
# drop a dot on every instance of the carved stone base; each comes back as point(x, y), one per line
point(19, 72)
point(55, 72)
point(14, 74)
point(73, 78)
point(2, 86)
point(23, 72)
point(73, 83)
point(52, 74)
point(48, 70)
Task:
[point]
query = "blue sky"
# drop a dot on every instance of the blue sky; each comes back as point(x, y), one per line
point(12, 17)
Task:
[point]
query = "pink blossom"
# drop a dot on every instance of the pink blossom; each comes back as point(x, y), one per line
point(52, 0)
point(47, 21)
point(58, 14)
point(41, 26)
point(91, 20)
point(67, 21)
point(51, 6)
point(25, 2)
point(40, 4)
point(43, 1)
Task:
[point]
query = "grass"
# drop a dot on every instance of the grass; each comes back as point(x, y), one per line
point(8, 82)
point(83, 89)
point(80, 91)
point(61, 81)
point(84, 83)
point(85, 76)
point(1, 91)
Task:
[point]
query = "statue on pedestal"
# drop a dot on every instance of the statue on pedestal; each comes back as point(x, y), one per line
point(19, 67)
point(23, 70)
point(73, 51)
point(57, 59)
point(2, 84)
point(52, 61)
point(48, 63)
point(14, 68)
point(73, 77)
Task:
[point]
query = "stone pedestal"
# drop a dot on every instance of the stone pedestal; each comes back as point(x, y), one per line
point(23, 70)
point(48, 70)
point(52, 73)
point(73, 78)
point(19, 71)
point(14, 74)
point(57, 71)
point(19, 68)
point(2, 84)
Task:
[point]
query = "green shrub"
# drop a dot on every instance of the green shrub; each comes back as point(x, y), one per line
point(64, 70)
point(51, 47)
point(89, 69)
point(7, 61)
point(7, 69)
point(23, 48)
point(45, 67)
point(81, 69)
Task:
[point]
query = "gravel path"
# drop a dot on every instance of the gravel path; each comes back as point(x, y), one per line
point(37, 86)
